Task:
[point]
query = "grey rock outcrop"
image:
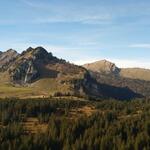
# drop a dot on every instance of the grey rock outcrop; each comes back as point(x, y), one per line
point(24, 73)
point(30, 65)
point(6, 58)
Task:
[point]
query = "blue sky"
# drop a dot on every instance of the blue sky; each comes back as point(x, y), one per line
point(80, 31)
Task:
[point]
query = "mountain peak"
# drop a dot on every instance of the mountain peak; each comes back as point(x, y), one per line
point(34, 63)
point(7, 57)
point(104, 60)
point(11, 51)
point(38, 49)
point(29, 49)
point(40, 52)
point(102, 66)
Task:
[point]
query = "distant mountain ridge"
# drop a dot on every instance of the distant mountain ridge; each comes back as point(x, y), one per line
point(136, 73)
point(102, 66)
point(107, 67)
point(136, 79)
point(37, 73)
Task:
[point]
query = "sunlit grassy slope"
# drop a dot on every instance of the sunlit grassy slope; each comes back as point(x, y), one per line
point(41, 88)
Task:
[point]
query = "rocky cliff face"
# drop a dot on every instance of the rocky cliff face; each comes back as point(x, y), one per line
point(6, 58)
point(30, 65)
point(24, 73)
point(135, 79)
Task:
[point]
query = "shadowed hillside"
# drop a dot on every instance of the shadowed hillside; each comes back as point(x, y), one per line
point(136, 80)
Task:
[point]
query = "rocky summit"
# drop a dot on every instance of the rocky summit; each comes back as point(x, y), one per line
point(102, 66)
point(31, 65)
point(135, 79)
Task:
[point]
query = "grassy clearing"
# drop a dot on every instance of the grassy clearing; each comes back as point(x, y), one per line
point(7, 90)
point(39, 89)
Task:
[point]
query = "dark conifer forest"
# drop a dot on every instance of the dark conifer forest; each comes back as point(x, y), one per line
point(59, 124)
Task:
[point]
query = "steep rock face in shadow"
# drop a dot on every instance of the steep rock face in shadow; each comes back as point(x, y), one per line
point(109, 91)
point(24, 72)
point(138, 86)
point(117, 79)
point(30, 65)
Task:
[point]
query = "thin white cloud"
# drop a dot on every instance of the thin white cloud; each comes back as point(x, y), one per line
point(144, 45)
point(59, 13)
point(75, 18)
point(32, 4)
